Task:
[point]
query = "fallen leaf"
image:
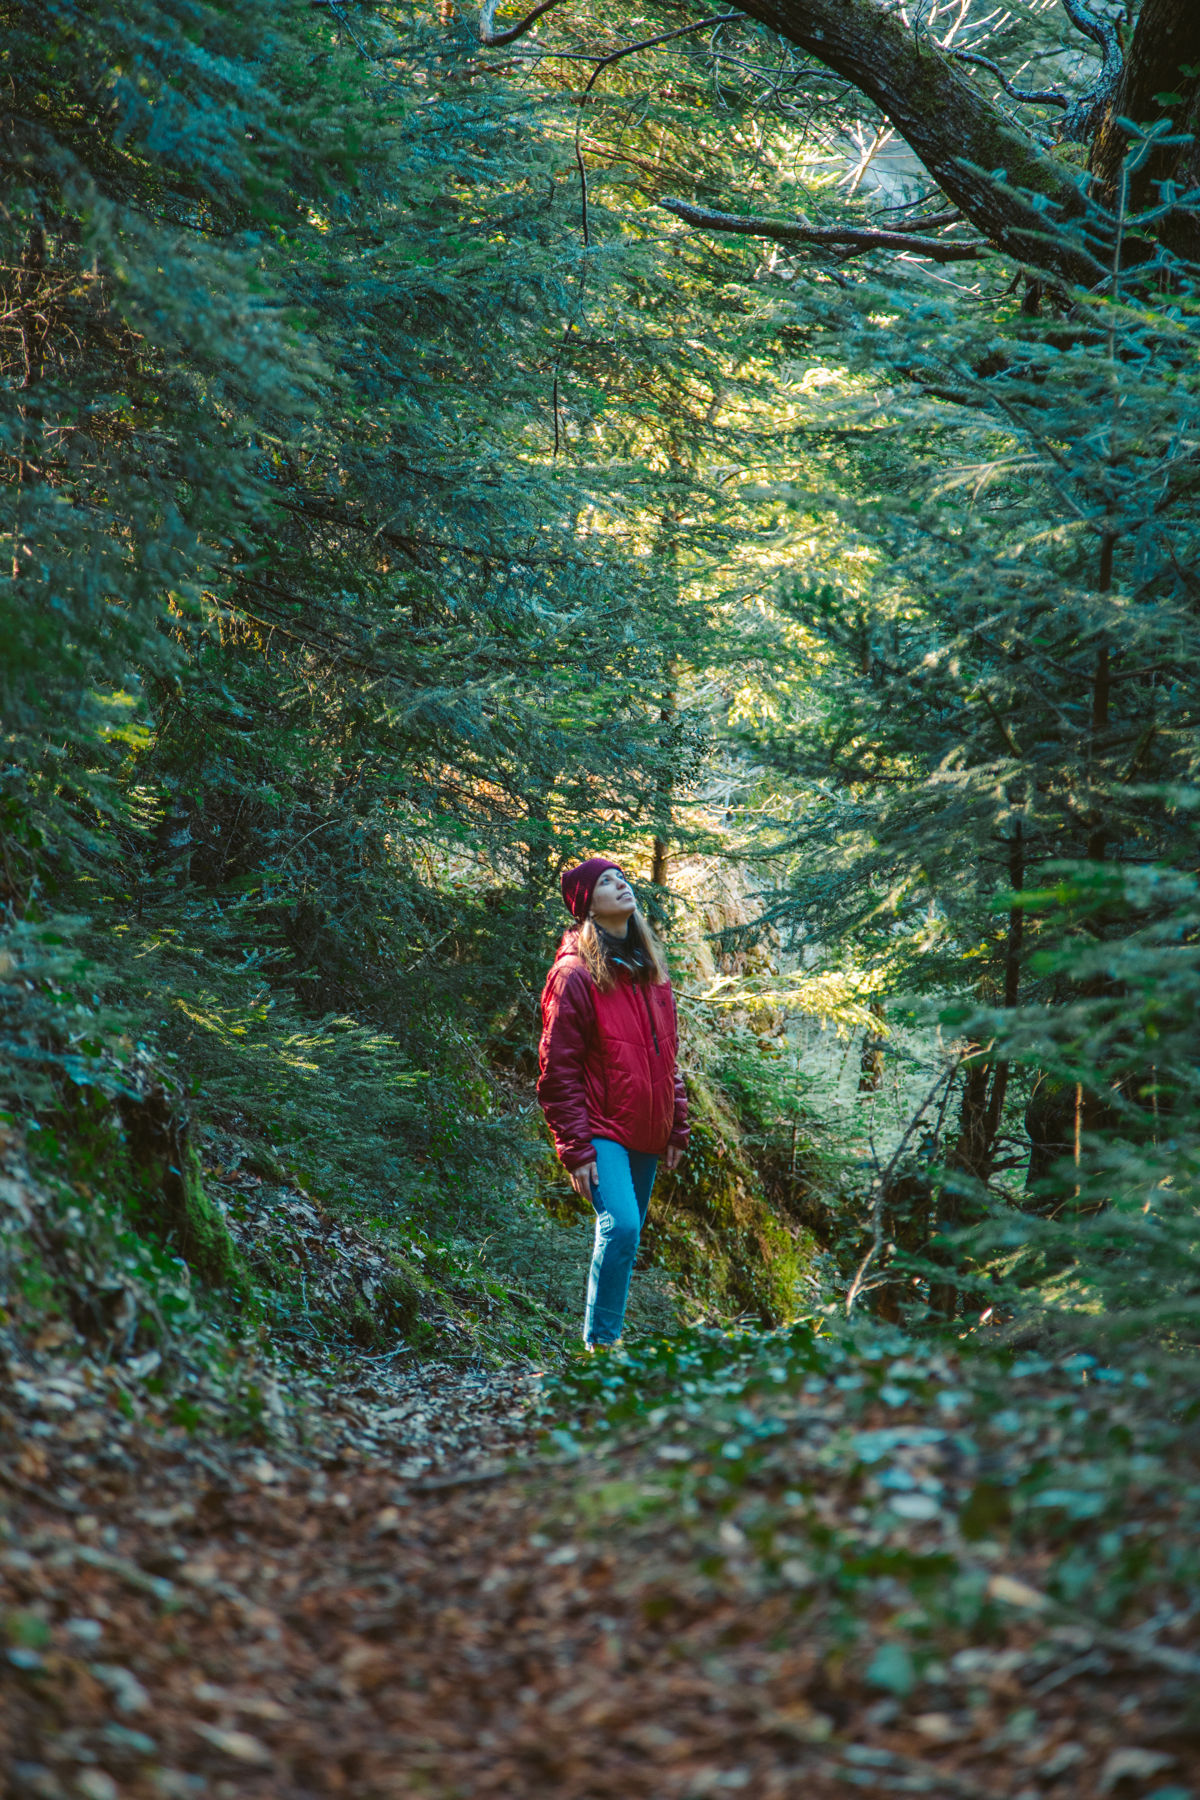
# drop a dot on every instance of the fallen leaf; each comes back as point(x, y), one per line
point(1132, 1764)
point(1060, 1760)
point(129, 1696)
point(1016, 1593)
point(914, 1506)
point(891, 1668)
point(94, 1784)
point(236, 1744)
point(938, 1727)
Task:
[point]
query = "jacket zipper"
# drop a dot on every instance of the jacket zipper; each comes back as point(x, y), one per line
point(650, 1017)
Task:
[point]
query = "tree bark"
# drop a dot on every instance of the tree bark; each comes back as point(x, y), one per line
point(661, 852)
point(870, 1062)
point(1166, 39)
point(959, 134)
point(848, 239)
point(963, 137)
point(970, 1153)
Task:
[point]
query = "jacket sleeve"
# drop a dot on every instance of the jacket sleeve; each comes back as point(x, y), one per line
point(681, 1131)
point(568, 1021)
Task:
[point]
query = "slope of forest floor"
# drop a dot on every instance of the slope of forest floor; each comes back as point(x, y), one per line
point(358, 1520)
point(768, 1564)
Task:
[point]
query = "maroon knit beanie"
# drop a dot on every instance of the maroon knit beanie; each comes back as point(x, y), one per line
point(579, 884)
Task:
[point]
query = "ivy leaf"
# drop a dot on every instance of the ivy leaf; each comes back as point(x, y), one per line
point(892, 1668)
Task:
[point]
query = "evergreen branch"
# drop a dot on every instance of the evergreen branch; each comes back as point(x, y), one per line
point(412, 546)
point(646, 164)
point(852, 238)
point(344, 640)
point(662, 37)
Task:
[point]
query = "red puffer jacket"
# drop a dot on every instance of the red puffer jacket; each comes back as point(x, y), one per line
point(607, 1062)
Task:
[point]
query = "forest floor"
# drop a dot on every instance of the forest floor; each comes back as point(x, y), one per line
point(431, 1598)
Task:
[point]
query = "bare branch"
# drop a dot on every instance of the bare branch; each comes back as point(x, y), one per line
point(1083, 115)
point(851, 238)
point(1101, 31)
point(928, 222)
point(1080, 111)
point(494, 39)
point(1028, 96)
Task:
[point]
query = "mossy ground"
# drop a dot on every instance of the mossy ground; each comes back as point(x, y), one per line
point(714, 1226)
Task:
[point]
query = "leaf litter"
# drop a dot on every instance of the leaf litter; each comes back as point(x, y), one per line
point(478, 1581)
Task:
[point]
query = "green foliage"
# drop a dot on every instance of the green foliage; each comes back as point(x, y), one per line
point(384, 534)
point(142, 162)
point(989, 790)
point(108, 1217)
point(908, 1500)
point(321, 658)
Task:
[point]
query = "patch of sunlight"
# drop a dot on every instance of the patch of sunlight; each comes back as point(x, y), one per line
point(841, 998)
point(219, 1027)
point(807, 381)
point(120, 727)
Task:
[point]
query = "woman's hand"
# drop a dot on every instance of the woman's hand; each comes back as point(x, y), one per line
point(674, 1156)
point(585, 1181)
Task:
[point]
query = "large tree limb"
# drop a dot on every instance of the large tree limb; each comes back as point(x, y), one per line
point(963, 137)
point(836, 237)
point(959, 134)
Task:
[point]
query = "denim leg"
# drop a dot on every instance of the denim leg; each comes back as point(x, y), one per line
point(642, 1167)
point(624, 1180)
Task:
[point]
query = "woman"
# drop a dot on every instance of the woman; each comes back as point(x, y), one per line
point(608, 1085)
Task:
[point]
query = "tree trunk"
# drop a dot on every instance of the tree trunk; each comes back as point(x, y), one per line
point(870, 1063)
point(970, 1155)
point(1166, 41)
point(985, 1085)
point(962, 136)
point(664, 785)
point(658, 863)
point(958, 133)
point(1012, 979)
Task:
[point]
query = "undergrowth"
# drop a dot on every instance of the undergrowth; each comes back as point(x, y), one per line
point(912, 1500)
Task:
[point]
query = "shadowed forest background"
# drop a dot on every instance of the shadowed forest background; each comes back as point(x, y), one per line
point(761, 447)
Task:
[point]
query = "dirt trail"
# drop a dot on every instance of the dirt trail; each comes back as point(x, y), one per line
point(391, 1618)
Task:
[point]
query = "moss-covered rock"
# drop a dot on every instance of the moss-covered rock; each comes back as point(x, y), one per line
point(713, 1224)
point(194, 1223)
point(166, 1193)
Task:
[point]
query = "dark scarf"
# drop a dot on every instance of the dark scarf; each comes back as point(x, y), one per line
point(627, 953)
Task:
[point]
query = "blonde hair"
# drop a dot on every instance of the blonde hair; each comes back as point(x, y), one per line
point(594, 951)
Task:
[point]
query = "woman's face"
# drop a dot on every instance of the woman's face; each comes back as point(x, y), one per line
point(613, 901)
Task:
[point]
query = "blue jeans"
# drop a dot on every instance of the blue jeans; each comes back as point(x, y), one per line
point(624, 1179)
